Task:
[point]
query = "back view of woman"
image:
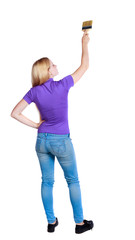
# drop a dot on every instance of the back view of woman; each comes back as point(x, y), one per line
point(53, 136)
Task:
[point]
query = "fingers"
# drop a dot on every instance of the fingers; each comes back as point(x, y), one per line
point(85, 31)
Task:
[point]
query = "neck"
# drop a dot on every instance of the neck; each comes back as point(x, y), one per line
point(51, 76)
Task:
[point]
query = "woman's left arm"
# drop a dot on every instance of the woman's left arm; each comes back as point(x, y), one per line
point(17, 114)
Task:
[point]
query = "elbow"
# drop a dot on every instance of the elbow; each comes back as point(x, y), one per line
point(86, 68)
point(15, 115)
point(12, 114)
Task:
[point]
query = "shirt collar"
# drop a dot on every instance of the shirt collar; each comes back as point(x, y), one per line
point(50, 79)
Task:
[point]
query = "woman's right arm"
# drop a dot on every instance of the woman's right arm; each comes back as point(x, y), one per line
point(85, 53)
point(84, 60)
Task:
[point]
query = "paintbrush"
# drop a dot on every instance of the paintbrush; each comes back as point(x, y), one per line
point(87, 25)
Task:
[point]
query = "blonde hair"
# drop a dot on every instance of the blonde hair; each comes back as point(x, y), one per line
point(39, 72)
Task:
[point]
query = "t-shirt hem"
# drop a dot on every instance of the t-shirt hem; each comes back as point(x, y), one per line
point(55, 132)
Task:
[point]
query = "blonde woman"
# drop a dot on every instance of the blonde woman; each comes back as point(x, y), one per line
point(53, 136)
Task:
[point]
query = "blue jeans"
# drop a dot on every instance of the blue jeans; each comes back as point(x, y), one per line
point(48, 146)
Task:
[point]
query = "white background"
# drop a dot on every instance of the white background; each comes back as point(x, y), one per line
point(101, 116)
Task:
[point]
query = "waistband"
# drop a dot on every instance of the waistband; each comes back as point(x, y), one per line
point(53, 134)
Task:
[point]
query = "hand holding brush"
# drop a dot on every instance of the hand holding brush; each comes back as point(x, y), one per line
point(85, 37)
point(86, 26)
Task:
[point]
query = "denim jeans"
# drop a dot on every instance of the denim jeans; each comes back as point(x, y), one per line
point(49, 145)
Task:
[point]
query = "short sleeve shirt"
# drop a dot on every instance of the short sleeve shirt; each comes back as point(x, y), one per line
point(51, 99)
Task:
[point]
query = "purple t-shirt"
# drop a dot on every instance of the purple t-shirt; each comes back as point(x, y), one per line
point(51, 99)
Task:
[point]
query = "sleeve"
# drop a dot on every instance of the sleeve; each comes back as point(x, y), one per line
point(67, 82)
point(29, 96)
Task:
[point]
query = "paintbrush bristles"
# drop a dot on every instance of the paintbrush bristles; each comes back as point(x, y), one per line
point(87, 25)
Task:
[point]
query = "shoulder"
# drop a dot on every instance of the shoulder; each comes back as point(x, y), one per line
point(67, 82)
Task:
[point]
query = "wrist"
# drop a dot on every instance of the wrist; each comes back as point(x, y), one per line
point(35, 125)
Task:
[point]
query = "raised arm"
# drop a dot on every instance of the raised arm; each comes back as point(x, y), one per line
point(84, 59)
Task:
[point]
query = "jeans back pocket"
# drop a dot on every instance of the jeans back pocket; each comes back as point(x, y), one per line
point(58, 147)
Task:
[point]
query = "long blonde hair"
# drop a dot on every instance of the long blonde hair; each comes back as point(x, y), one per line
point(39, 72)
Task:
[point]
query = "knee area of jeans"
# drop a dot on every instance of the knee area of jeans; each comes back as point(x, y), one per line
point(48, 181)
point(72, 180)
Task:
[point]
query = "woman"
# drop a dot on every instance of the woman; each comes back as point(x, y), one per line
point(53, 137)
